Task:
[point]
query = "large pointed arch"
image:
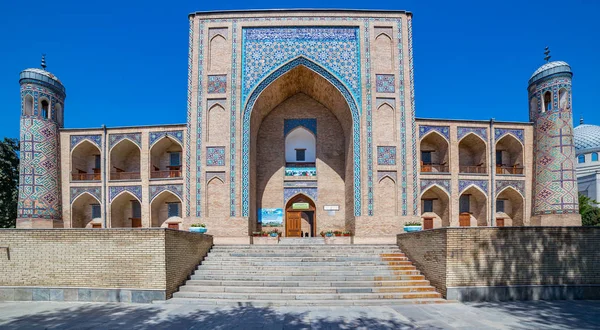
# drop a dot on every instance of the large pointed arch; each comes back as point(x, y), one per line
point(353, 104)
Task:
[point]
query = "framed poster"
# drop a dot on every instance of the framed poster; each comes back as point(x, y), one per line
point(270, 217)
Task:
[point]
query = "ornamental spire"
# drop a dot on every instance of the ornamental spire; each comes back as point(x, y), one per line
point(44, 61)
point(547, 53)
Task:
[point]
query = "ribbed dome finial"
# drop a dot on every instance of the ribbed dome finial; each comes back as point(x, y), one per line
point(44, 61)
point(547, 53)
point(581, 120)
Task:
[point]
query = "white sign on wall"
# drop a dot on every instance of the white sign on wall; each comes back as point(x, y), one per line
point(331, 207)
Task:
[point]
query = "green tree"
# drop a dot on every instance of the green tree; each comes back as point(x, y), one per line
point(589, 210)
point(9, 182)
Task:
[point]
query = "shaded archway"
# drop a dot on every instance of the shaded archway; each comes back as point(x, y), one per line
point(302, 94)
point(86, 212)
point(435, 205)
point(434, 153)
point(125, 161)
point(165, 210)
point(509, 208)
point(300, 216)
point(509, 155)
point(125, 211)
point(472, 154)
point(165, 158)
point(86, 162)
point(473, 202)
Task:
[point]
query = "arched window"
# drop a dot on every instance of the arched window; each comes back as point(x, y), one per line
point(300, 146)
point(581, 159)
point(547, 101)
point(595, 157)
point(44, 108)
point(28, 105)
point(562, 98)
point(59, 114)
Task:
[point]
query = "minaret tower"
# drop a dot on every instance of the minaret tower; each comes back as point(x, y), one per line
point(554, 196)
point(42, 108)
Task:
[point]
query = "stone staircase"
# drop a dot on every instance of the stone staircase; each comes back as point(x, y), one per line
point(295, 275)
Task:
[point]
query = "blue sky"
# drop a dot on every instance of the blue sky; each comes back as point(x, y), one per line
point(125, 62)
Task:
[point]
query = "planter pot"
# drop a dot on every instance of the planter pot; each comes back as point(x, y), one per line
point(410, 229)
point(273, 234)
point(328, 235)
point(200, 230)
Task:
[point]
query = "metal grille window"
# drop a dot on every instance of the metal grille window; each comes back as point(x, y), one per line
point(96, 211)
point(500, 205)
point(174, 209)
point(300, 155)
point(428, 205)
point(464, 204)
point(136, 209)
point(175, 159)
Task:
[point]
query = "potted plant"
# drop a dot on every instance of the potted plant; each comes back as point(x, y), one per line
point(347, 233)
point(337, 233)
point(256, 233)
point(198, 228)
point(274, 233)
point(329, 233)
point(412, 226)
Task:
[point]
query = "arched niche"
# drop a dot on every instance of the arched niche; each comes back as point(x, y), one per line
point(86, 212)
point(300, 146)
point(299, 221)
point(86, 162)
point(28, 105)
point(563, 98)
point(386, 197)
point(547, 98)
point(219, 57)
point(166, 158)
point(384, 122)
point(473, 202)
point(434, 153)
point(509, 208)
point(165, 210)
point(44, 108)
point(383, 54)
point(435, 205)
point(217, 199)
point(217, 125)
point(509, 155)
point(125, 161)
point(472, 153)
point(125, 211)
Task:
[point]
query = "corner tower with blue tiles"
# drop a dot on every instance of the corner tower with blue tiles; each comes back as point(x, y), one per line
point(555, 200)
point(42, 106)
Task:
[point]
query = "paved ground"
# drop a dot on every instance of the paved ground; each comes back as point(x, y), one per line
point(512, 315)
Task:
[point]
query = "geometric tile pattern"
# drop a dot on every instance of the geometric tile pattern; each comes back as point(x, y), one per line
point(233, 118)
point(443, 130)
point(480, 131)
point(518, 185)
point(386, 155)
point(385, 83)
point(291, 192)
point(39, 180)
point(95, 139)
point(412, 117)
point(217, 84)
point(444, 184)
point(518, 133)
point(177, 135)
point(370, 199)
point(176, 189)
point(188, 165)
point(215, 156)
point(116, 138)
point(403, 155)
point(134, 190)
point(464, 184)
point(94, 191)
point(199, 112)
point(308, 123)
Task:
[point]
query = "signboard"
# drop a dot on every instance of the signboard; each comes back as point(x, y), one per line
point(300, 206)
point(270, 217)
point(331, 207)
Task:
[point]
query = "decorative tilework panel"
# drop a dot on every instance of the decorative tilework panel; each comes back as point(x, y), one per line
point(266, 48)
point(39, 180)
point(233, 120)
point(479, 131)
point(401, 100)
point(367, 42)
point(188, 166)
point(516, 184)
point(176, 189)
point(215, 156)
point(291, 192)
point(385, 83)
point(464, 184)
point(113, 139)
point(518, 133)
point(444, 184)
point(198, 132)
point(413, 111)
point(94, 191)
point(443, 130)
point(134, 190)
point(386, 155)
point(391, 174)
point(308, 123)
point(95, 139)
point(155, 136)
point(217, 84)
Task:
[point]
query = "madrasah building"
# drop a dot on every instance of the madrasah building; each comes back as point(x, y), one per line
point(302, 120)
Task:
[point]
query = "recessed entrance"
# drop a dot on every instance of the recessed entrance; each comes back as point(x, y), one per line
point(300, 217)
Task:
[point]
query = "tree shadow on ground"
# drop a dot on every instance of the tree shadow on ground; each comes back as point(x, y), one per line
point(126, 316)
point(561, 314)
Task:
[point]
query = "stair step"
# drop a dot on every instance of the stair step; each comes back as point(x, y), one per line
point(305, 296)
point(303, 254)
point(308, 278)
point(266, 262)
point(308, 283)
point(304, 268)
point(304, 290)
point(272, 303)
point(300, 272)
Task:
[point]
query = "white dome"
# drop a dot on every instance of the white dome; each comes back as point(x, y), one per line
point(587, 138)
point(550, 68)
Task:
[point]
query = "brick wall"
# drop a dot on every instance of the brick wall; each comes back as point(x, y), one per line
point(140, 259)
point(506, 257)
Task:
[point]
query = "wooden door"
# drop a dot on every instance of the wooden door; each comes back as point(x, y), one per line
point(293, 224)
point(174, 226)
point(499, 222)
point(464, 219)
point(427, 223)
point(96, 225)
point(136, 222)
